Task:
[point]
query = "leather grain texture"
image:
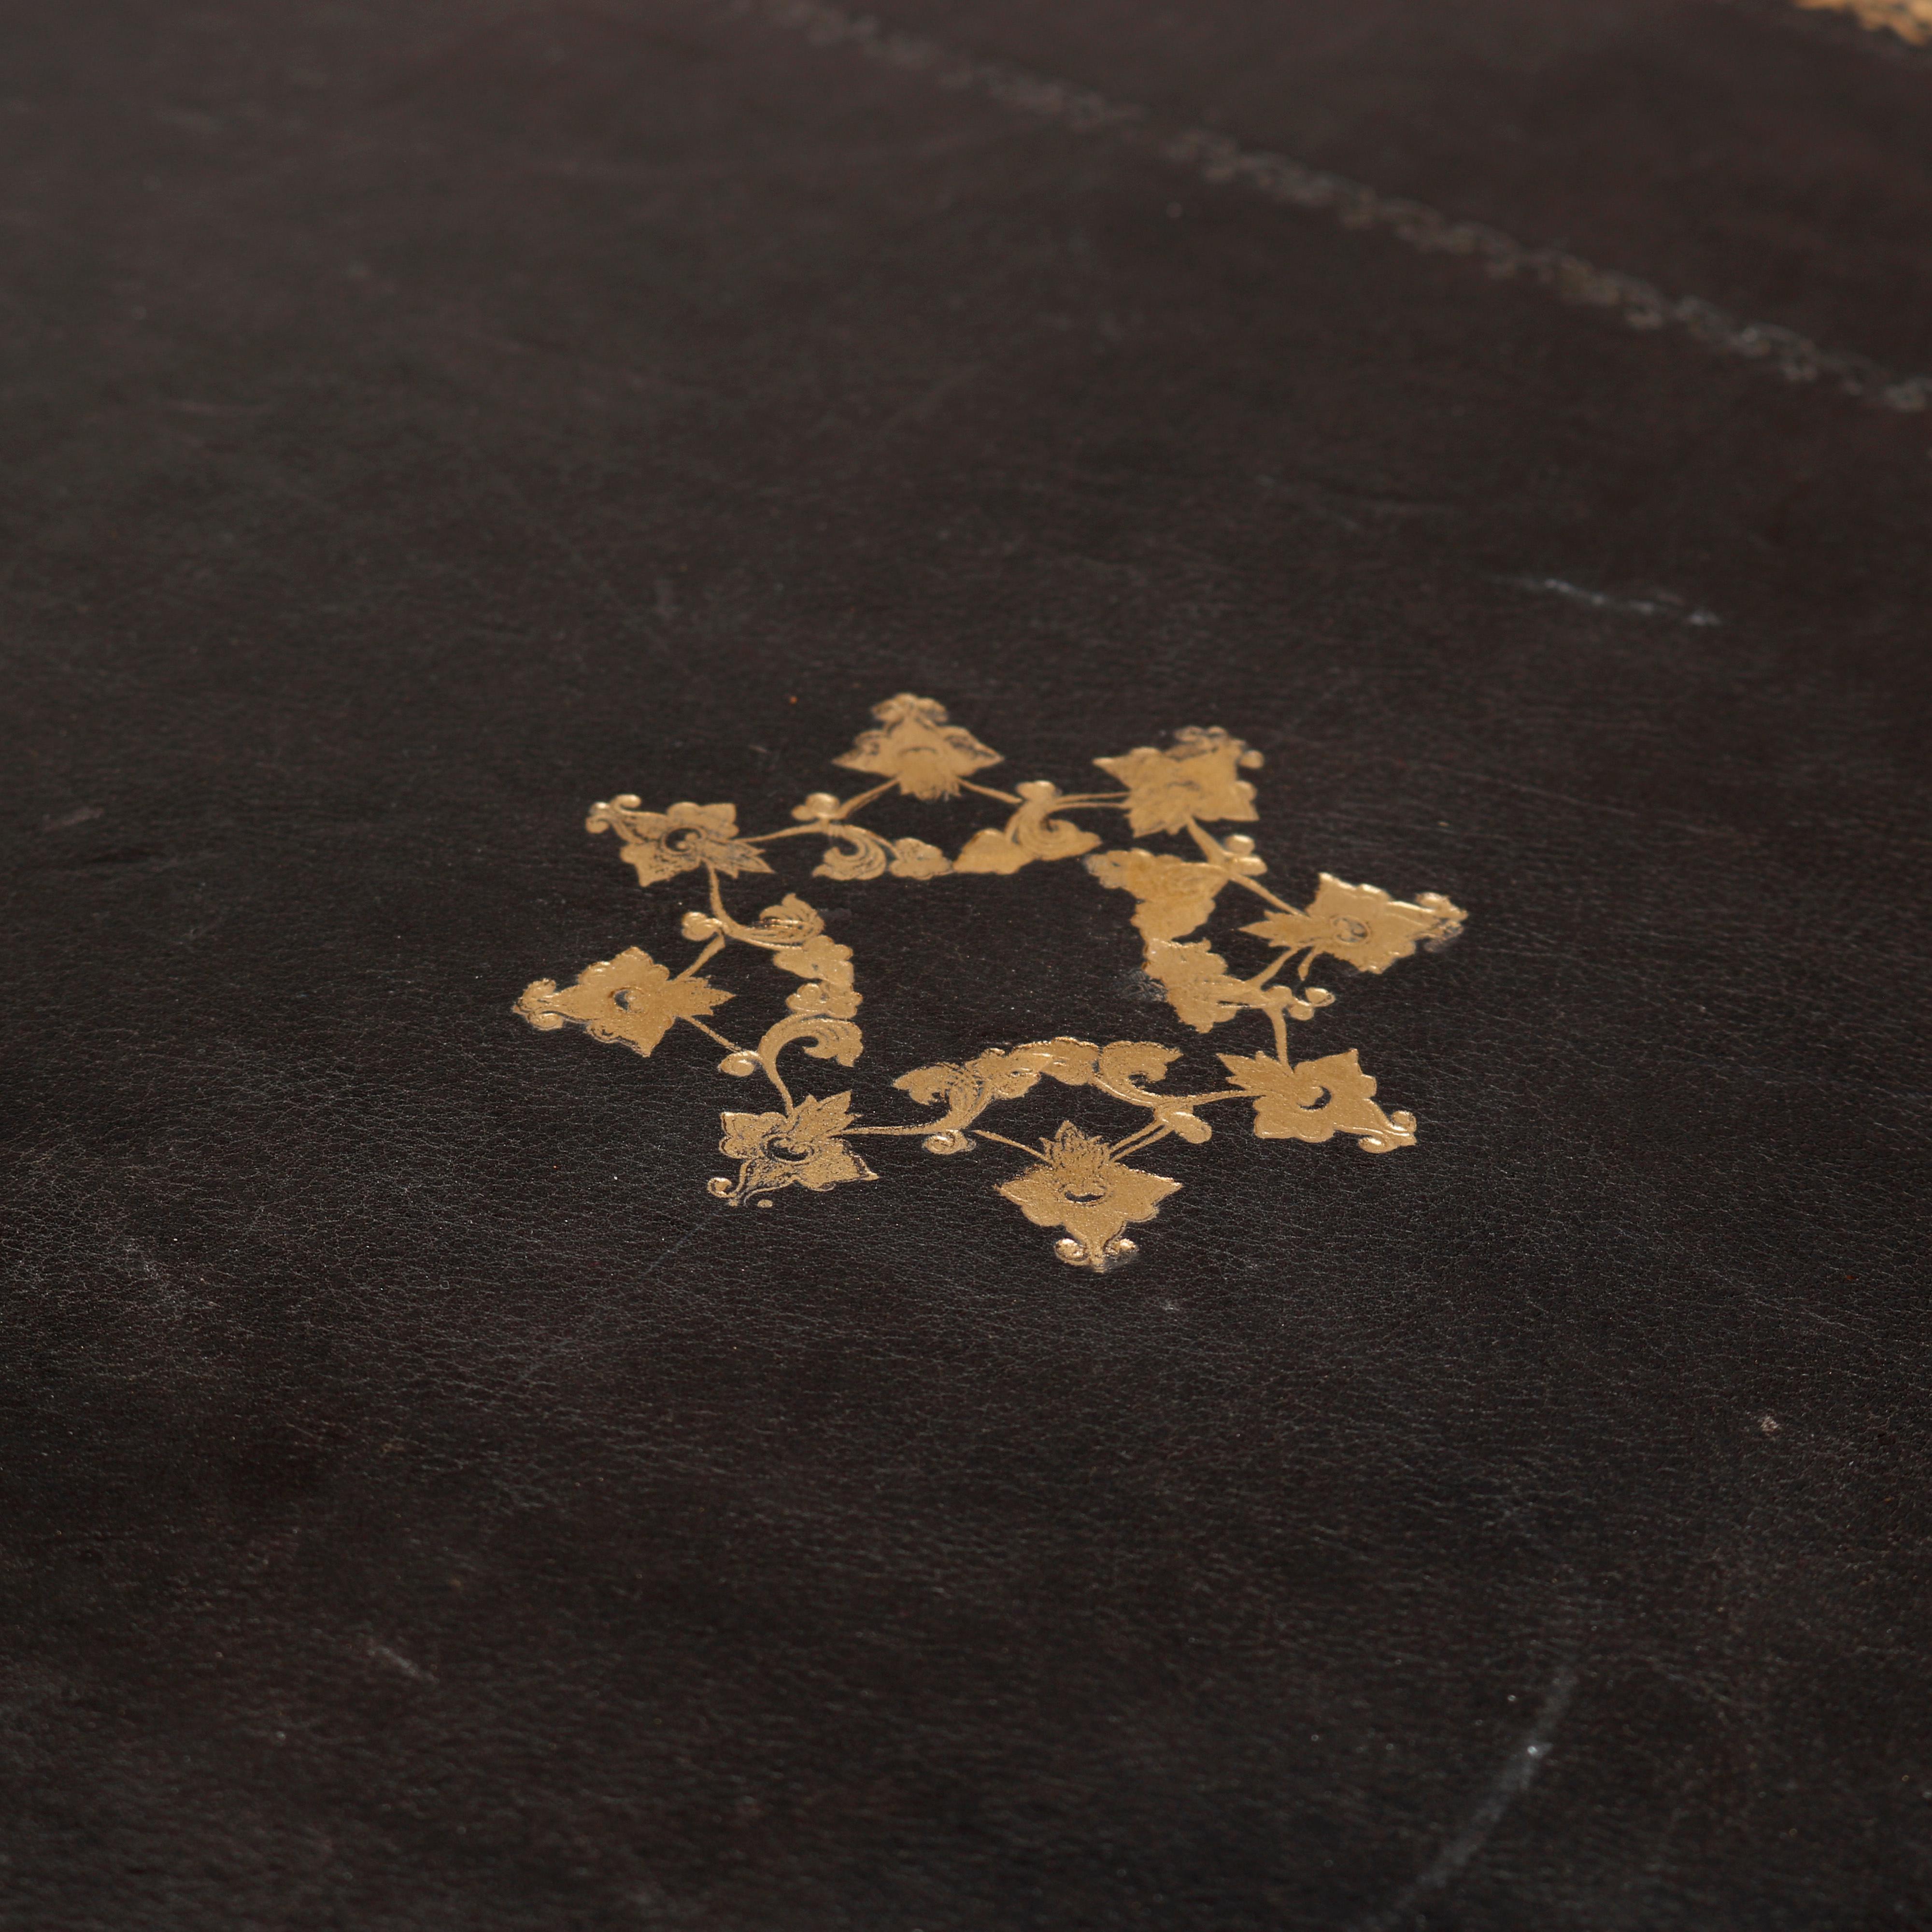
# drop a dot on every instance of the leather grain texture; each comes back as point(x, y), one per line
point(424, 1508)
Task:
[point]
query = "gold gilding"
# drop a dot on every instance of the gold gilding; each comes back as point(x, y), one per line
point(1909, 19)
point(1073, 1181)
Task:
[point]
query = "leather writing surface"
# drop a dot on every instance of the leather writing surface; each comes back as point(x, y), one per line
point(426, 1507)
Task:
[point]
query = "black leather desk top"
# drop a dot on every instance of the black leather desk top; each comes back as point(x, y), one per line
point(424, 1507)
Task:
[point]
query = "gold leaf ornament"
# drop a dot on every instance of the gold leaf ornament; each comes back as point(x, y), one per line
point(998, 1074)
point(1122, 1070)
point(914, 859)
point(918, 749)
point(857, 852)
point(629, 1001)
point(1319, 1099)
point(803, 1147)
point(1201, 990)
point(1360, 924)
point(1080, 1185)
point(1192, 781)
point(828, 966)
point(1910, 19)
point(1175, 895)
point(660, 844)
point(1032, 832)
point(1075, 1180)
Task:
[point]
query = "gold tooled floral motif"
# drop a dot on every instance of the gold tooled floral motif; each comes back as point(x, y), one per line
point(1080, 1185)
point(1088, 1186)
point(917, 749)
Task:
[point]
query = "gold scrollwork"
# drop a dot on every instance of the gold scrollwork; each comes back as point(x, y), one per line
point(1074, 1180)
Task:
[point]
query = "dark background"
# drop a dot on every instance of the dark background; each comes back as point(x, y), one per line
point(424, 1507)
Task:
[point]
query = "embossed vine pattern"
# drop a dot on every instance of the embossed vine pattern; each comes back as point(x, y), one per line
point(1090, 1189)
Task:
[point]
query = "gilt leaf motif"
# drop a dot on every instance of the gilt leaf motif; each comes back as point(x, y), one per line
point(629, 1001)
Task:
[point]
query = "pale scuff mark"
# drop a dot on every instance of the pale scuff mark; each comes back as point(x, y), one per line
point(1509, 1784)
point(394, 1660)
point(1662, 604)
point(1214, 158)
